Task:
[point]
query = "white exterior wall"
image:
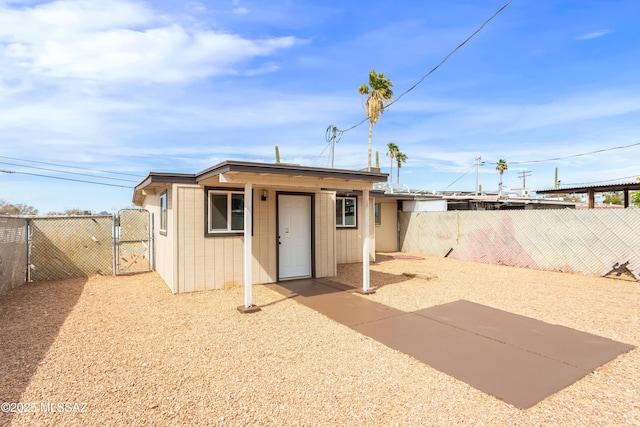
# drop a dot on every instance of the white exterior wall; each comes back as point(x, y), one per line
point(203, 263)
point(163, 243)
point(188, 261)
point(325, 234)
point(349, 240)
point(438, 205)
point(387, 231)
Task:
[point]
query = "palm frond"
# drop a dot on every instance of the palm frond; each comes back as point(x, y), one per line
point(392, 149)
point(380, 83)
point(401, 158)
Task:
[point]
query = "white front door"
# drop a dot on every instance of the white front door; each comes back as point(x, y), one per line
point(294, 236)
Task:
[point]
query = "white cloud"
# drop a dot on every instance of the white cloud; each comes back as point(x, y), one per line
point(123, 41)
point(65, 19)
point(593, 35)
point(448, 118)
point(571, 109)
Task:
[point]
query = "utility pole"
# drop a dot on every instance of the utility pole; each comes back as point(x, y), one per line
point(524, 175)
point(332, 137)
point(478, 163)
point(333, 144)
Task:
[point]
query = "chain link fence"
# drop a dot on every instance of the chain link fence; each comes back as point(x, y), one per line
point(13, 253)
point(66, 247)
point(57, 248)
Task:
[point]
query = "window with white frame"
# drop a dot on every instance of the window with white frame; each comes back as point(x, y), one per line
point(225, 211)
point(163, 212)
point(346, 212)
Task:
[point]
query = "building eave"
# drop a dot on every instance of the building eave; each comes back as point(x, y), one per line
point(288, 169)
point(157, 179)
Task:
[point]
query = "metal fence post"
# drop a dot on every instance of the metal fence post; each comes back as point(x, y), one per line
point(152, 242)
point(28, 243)
point(114, 242)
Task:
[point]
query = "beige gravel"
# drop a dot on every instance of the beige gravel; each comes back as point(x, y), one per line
point(137, 355)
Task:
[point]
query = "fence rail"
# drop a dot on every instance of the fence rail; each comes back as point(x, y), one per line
point(595, 242)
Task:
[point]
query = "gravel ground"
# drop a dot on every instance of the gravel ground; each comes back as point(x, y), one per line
point(124, 351)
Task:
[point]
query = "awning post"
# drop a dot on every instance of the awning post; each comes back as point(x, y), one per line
point(248, 306)
point(366, 278)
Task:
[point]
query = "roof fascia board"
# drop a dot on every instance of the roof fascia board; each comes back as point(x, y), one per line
point(158, 177)
point(292, 170)
point(293, 181)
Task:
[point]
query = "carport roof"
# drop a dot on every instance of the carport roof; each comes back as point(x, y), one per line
point(593, 188)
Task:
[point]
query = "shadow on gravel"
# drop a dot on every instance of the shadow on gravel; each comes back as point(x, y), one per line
point(30, 319)
point(378, 279)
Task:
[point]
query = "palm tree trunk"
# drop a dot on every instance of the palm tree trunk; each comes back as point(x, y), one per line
point(391, 171)
point(370, 144)
point(398, 179)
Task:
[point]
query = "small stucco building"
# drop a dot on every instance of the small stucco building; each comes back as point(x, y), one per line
point(243, 223)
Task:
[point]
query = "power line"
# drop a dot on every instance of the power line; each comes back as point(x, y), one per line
point(576, 155)
point(321, 153)
point(571, 156)
point(71, 167)
point(65, 179)
point(460, 177)
point(480, 28)
point(71, 173)
point(600, 182)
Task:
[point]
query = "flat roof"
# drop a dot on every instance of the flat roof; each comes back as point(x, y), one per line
point(234, 166)
point(289, 169)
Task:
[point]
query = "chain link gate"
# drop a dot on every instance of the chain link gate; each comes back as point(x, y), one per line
point(133, 238)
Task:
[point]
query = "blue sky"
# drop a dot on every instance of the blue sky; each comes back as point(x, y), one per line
point(138, 86)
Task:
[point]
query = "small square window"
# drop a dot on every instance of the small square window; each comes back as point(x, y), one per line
point(346, 212)
point(226, 211)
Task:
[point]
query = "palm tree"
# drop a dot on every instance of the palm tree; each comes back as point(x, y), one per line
point(400, 158)
point(393, 151)
point(378, 91)
point(501, 166)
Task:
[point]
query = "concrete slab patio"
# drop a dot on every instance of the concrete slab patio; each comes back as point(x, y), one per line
point(517, 359)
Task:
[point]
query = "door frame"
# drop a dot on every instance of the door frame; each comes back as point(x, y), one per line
point(312, 230)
